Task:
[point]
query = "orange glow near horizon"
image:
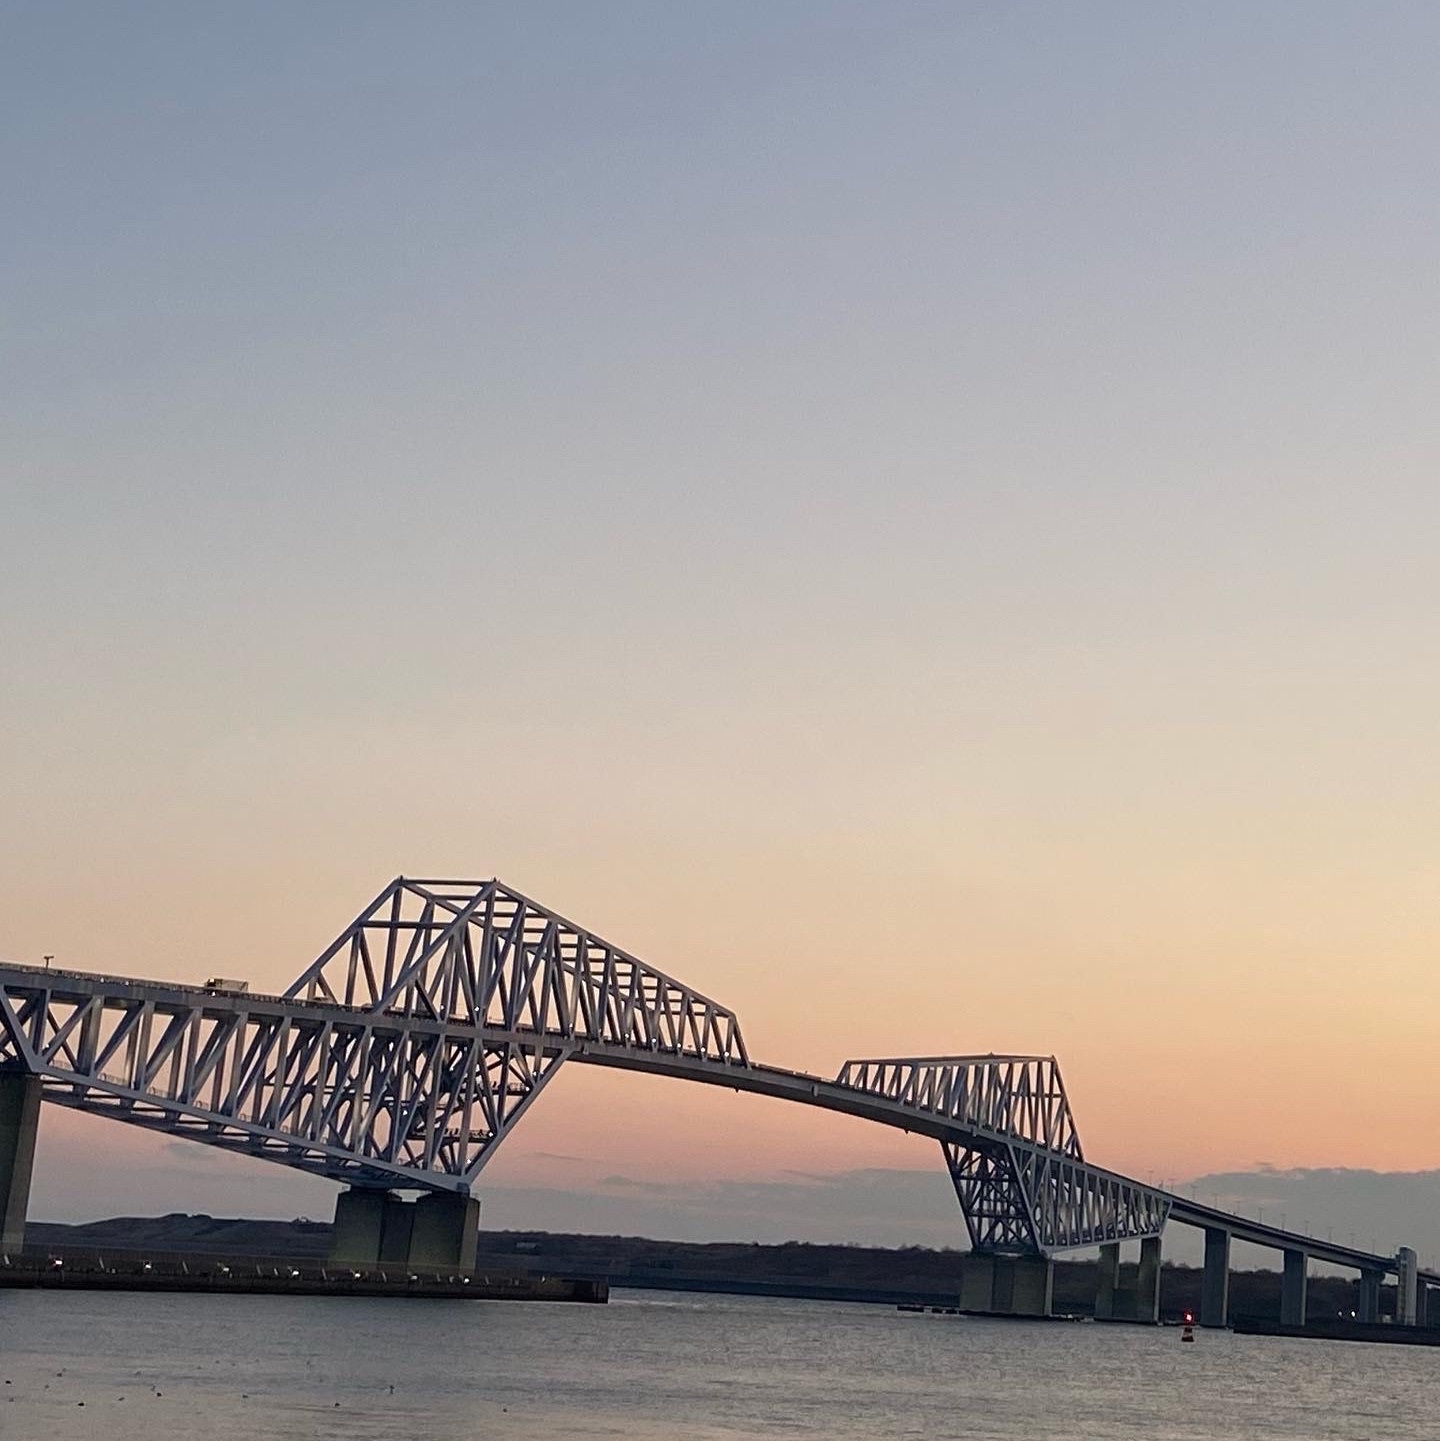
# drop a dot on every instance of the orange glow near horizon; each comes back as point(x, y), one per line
point(1228, 1073)
point(919, 521)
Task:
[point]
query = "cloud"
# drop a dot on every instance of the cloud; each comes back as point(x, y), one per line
point(207, 1157)
point(1379, 1210)
point(871, 1206)
point(629, 1183)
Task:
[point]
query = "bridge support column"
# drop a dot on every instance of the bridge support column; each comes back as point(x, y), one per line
point(19, 1125)
point(977, 1283)
point(1215, 1289)
point(358, 1227)
point(1292, 1289)
point(397, 1225)
point(1107, 1281)
point(1407, 1285)
point(376, 1228)
point(1147, 1282)
point(1007, 1285)
point(372, 1228)
point(1369, 1307)
point(445, 1231)
point(1422, 1304)
point(1031, 1285)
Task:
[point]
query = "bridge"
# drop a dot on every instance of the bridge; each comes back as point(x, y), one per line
point(414, 1044)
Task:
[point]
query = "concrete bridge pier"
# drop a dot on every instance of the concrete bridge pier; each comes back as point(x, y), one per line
point(19, 1126)
point(1147, 1282)
point(1107, 1282)
point(1007, 1285)
point(1293, 1288)
point(374, 1227)
point(358, 1231)
point(1139, 1301)
point(1369, 1307)
point(1215, 1289)
point(445, 1231)
point(1407, 1286)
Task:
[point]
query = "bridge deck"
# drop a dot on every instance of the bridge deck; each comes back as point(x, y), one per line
point(52, 1022)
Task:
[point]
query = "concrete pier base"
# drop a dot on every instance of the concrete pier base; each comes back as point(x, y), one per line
point(1369, 1307)
point(1007, 1285)
point(377, 1228)
point(1032, 1287)
point(1407, 1286)
point(396, 1226)
point(19, 1126)
point(1292, 1289)
point(1147, 1282)
point(977, 1283)
point(445, 1231)
point(357, 1228)
point(1215, 1289)
point(1128, 1297)
point(1107, 1282)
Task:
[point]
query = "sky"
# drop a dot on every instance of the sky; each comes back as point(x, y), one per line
point(917, 519)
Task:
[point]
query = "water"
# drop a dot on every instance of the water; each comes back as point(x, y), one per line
point(650, 1365)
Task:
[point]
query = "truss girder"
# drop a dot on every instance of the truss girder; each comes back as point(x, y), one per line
point(477, 953)
point(347, 1096)
point(417, 1040)
point(1022, 1096)
point(1031, 1191)
point(404, 1054)
point(1022, 1200)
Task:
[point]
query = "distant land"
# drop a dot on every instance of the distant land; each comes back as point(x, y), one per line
point(794, 1269)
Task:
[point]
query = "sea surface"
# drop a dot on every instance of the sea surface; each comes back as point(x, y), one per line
point(649, 1365)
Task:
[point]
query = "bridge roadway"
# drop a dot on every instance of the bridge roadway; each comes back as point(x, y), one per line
point(406, 1053)
point(131, 995)
point(812, 1090)
point(800, 1087)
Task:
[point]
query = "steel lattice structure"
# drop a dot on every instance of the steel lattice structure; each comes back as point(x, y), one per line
point(416, 1041)
point(1029, 1190)
point(403, 1055)
point(1021, 1096)
point(485, 956)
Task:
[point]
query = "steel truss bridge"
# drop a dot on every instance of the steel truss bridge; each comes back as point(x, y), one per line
point(415, 1043)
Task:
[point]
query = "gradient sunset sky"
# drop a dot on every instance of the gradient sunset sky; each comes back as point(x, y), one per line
point(919, 519)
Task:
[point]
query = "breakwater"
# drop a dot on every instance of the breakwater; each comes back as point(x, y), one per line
point(281, 1277)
